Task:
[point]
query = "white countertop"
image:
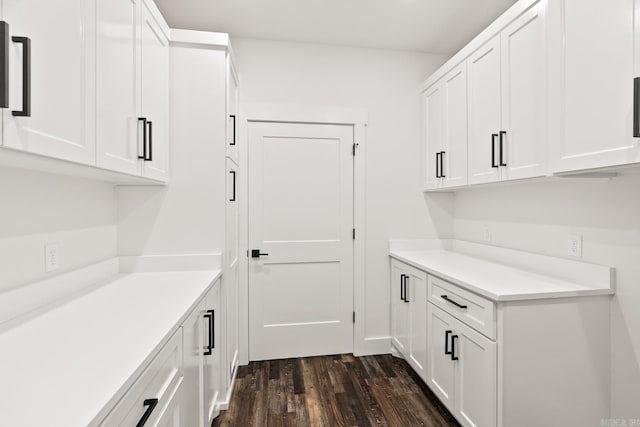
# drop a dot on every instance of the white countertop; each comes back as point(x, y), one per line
point(493, 280)
point(61, 368)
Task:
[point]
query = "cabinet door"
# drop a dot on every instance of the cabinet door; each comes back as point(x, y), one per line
point(455, 146)
point(593, 109)
point(523, 52)
point(434, 110)
point(417, 294)
point(62, 84)
point(232, 262)
point(440, 371)
point(232, 111)
point(476, 381)
point(173, 412)
point(118, 130)
point(212, 361)
point(483, 67)
point(194, 342)
point(399, 308)
point(154, 52)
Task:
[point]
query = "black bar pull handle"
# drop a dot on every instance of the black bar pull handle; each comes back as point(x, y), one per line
point(151, 405)
point(454, 338)
point(208, 348)
point(502, 135)
point(446, 342)
point(402, 276)
point(144, 138)
point(212, 329)
point(494, 136)
point(438, 165)
point(442, 175)
point(4, 64)
point(450, 301)
point(233, 118)
point(636, 107)
point(406, 286)
point(150, 152)
point(26, 76)
point(233, 197)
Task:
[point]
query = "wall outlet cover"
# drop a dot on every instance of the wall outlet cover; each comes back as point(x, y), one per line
point(51, 257)
point(486, 234)
point(575, 245)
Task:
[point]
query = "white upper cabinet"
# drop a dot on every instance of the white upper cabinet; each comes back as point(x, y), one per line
point(154, 52)
point(484, 113)
point(434, 106)
point(523, 138)
point(593, 63)
point(454, 156)
point(132, 89)
point(233, 119)
point(55, 118)
point(445, 130)
point(118, 130)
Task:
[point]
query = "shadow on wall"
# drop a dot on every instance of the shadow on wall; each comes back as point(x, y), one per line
point(440, 210)
point(138, 210)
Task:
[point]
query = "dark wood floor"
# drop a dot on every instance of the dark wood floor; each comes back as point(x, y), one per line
point(332, 391)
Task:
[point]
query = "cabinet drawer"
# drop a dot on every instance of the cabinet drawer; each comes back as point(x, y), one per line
point(472, 309)
point(158, 381)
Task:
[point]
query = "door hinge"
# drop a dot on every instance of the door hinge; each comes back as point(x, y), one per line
point(354, 234)
point(354, 317)
point(354, 149)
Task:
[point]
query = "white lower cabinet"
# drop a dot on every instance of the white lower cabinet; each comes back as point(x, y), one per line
point(153, 394)
point(183, 383)
point(462, 369)
point(212, 355)
point(409, 315)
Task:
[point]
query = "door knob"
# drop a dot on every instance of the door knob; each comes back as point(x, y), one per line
point(255, 253)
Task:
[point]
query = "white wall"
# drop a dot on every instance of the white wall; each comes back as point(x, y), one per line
point(386, 84)
point(187, 216)
point(538, 217)
point(37, 209)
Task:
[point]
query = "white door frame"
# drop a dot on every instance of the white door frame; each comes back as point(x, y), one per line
point(290, 113)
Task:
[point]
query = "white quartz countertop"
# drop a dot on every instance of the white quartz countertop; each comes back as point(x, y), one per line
point(493, 280)
point(61, 368)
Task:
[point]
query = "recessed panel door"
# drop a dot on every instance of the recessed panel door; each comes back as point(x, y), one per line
point(300, 227)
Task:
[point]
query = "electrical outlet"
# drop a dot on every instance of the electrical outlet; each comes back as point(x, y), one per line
point(486, 234)
point(575, 245)
point(51, 257)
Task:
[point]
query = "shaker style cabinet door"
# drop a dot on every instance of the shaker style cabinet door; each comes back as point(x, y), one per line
point(434, 133)
point(233, 111)
point(441, 367)
point(399, 308)
point(51, 109)
point(594, 60)
point(154, 62)
point(194, 347)
point(119, 132)
point(476, 378)
point(483, 67)
point(522, 139)
point(212, 359)
point(454, 152)
point(417, 289)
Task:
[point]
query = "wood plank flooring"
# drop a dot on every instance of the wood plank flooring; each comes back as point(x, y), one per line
point(332, 391)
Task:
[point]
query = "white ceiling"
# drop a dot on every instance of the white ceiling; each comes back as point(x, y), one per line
point(436, 26)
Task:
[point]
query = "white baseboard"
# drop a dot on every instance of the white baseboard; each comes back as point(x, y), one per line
point(223, 405)
point(373, 346)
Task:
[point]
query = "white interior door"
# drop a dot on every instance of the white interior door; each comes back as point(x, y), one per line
point(301, 215)
point(484, 112)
